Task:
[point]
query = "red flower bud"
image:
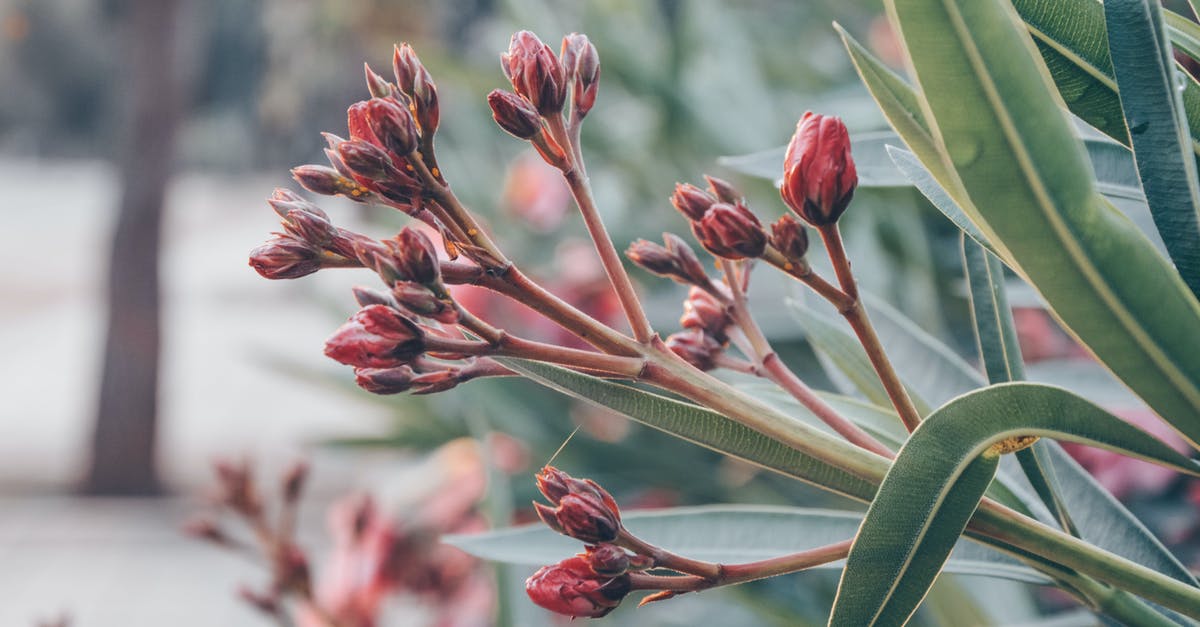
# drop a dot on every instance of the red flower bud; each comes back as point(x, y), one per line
point(365, 159)
point(691, 201)
point(581, 63)
point(610, 560)
point(724, 190)
point(309, 227)
point(417, 299)
point(284, 201)
point(818, 171)
point(406, 65)
point(366, 296)
point(285, 257)
point(393, 125)
point(535, 72)
point(514, 114)
point(703, 311)
point(731, 231)
point(376, 336)
point(789, 237)
point(436, 381)
point(695, 347)
point(327, 181)
point(583, 511)
point(572, 588)
point(359, 124)
point(417, 258)
point(425, 101)
point(676, 260)
point(384, 380)
point(376, 84)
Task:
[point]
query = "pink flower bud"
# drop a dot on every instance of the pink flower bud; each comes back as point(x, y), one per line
point(724, 190)
point(384, 380)
point(535, 72)
point(419, 300)
point(375, 337)
point(703, 311)
point(818, 172)
point(285, 257)
point(731, 231)
point(514, 114)
point(695, 347)
point(573, 589)
point(365, 159)
point(359, 123)
point(376, 84)
point(789, 237)
point(309, 227)
point(327, 181)
point(393, 125)
point(436, 381)
point(417, 258)
point(583, 510)
point(581, 63)
point(692, 201)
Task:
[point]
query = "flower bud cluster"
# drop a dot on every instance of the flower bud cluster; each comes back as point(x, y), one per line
point(720, 220)
point(593, 583)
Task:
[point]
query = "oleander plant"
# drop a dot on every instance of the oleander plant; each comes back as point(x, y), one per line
point(1043, 129)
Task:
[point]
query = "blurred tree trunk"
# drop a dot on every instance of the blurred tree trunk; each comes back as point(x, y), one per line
point(123, 440)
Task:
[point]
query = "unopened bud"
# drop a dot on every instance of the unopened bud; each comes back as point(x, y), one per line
point(309, 227)
point(417, 258)
point(695, 347)
point(581, 64)
point(535, 72)
point(366, 296)
point(376, 336)
point(285, 257)
point(326, 181)
point(359, 124)
point(692, 201)
point(789, 236)
point(393, 125)
point(425, 101)
point(608, 560)
point(676, 260)
point(703, 311)
point(376, 84)
point(514, 114)
point(436, 381)
point(366, 159)
point(731, 231)
point(406, 65)
point(818, 172)
point(384, 380)
point(283, 201)
point(419, 300)
point(572, 588)
point(583, 510)
point(724, 190)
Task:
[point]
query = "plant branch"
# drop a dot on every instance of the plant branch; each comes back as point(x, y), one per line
point(581, 189)
point(732, 574)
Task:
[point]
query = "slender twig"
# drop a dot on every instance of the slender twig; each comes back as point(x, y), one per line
point(581, 189)
point(770, 366)
point(856, 315)
point(512, 346)
point(732, 574)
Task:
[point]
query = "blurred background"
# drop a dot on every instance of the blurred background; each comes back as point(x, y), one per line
point(138, 141)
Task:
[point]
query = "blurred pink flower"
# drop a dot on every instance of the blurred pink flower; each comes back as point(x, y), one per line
point(1124, 476)
point(536, 193)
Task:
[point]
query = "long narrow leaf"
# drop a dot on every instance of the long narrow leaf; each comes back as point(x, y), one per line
point(1015, 154)
point(1153, 108)
point(698, 425)
point(906, 533)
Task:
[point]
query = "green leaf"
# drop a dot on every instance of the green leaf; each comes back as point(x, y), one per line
point(1184, 33)
point(935, 483)
point(1153, 107)
point(831, 339)
point(915, 172)
point(697, 425)
point(726, 534)
point(995, 333)
point(1003, 131)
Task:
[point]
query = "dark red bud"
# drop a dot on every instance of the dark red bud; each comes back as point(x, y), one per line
point(535, 72)
point(309, 227)
point(583, 511)
point(366, 159)
point(425, 101)
point(514, 114)
point(689, 264)
point(437, 381)
point(818, 172)
point(406, 65)
point(676, 260)
point(695, 347)
point(384, 380)
point(703, 311)
point(366, 296)
point(417, 258)
point(608, 560)
point(376, 84)
point(724, 190)
point(393, 125)
point(419, 300)
point(285, 257)
point(554, 483)
point(692, 201)
point(573, 589)
point(375, 337)
point(358, 122)
point(731, 231)
point(581, 64)
point(327, 181)
point(789, 236)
